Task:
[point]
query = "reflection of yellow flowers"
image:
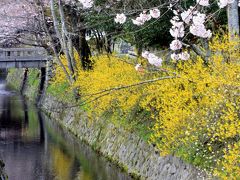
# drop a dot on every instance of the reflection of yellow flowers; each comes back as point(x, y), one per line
point(198, 110)
point(62, 164)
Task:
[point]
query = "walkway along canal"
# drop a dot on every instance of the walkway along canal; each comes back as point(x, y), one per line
point(34, 147)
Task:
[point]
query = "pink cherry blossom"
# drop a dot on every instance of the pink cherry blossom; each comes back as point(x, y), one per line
point(176, 45)
point(14, 16)
point(152, 58)
point(120, 18)
point(198, 28)
point(200, 31)
point(145, 54)
point(177, 30)
point(187, 16)
point(184, 56)
point(155, 13)
point(138, 21)
point(203, 2)
point(199, 18)
point(141, 19)
point(175, 56)
point(224, 3)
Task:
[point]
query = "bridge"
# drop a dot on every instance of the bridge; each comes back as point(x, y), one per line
point(23, 58)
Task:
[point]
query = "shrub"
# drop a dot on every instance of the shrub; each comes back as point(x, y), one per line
point(195, 113)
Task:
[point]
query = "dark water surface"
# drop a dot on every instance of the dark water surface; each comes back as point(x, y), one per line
point(33, 147)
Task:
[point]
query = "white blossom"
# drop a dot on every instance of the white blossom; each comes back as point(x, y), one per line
point(86, 3)
point(138, 21)
point(177, 32)
point(181, 56)
point(224, 3)
point(200, 31)
point(174, 20)
point(158, 62)
point(208, 34)
point(198, 28)
point(199, 18)
point(203, 2)
point(187, 16)
point(184, 56)
point(120, 18)
point(177, 29)
point(155, 13)
point(145, 17)
point(176, 45)
point(152, 58)
point(141, 19)
point(170, 6)
point(145, 54)
point(175, 56)
point(138, 67)
point(175, 12)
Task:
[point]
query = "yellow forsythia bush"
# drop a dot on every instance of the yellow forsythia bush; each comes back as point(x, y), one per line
point(196, 115)
point(109, 72)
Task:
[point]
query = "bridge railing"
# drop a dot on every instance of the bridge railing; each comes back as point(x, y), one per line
point(23, 58)
point(22, 54)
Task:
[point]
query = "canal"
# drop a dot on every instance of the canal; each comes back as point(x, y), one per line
point(33, 147)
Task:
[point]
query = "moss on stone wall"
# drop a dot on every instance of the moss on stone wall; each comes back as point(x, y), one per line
point(33, 82)
point(15, 80)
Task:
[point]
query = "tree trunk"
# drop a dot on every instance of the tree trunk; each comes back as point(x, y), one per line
point(108, 44)
point(233, 20)
point(51, 38)
point(85, 51)
point(233, 28)
point(64, 40)
point(24, 82)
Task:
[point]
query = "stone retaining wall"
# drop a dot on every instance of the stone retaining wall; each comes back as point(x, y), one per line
point(125, 148)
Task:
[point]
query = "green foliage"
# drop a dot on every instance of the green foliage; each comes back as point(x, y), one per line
point(155, 33)
point(60, 90)
point(33, 77)
point(33, 81)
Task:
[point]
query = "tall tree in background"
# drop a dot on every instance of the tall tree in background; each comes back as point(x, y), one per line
point(233, 19)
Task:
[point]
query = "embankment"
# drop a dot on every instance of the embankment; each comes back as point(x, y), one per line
point(125, 148)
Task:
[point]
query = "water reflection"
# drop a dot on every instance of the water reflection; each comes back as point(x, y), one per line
point(34, 147)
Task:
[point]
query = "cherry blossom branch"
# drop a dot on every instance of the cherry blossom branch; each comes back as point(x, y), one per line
point(131, 85)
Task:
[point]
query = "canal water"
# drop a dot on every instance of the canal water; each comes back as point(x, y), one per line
point(33, 147)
